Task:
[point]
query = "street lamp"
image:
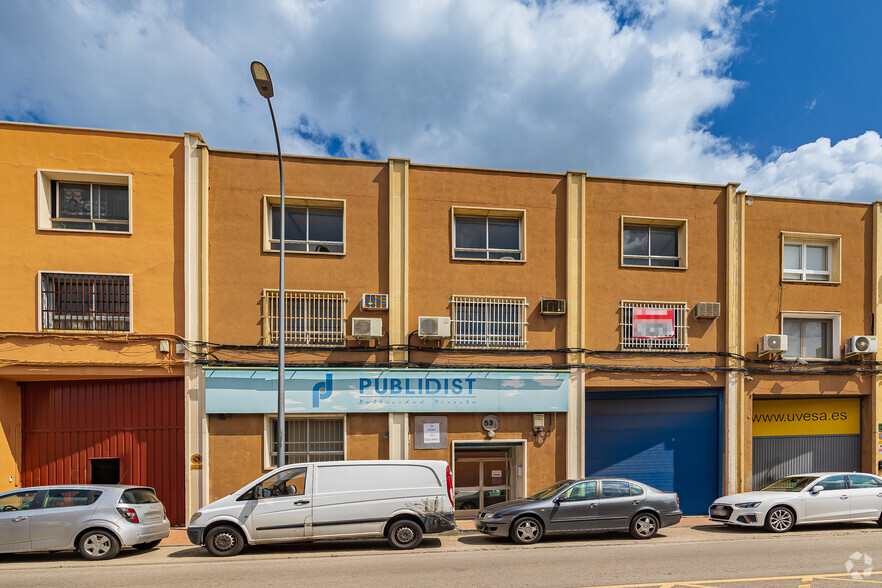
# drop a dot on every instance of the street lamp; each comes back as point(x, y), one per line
point(264, 84)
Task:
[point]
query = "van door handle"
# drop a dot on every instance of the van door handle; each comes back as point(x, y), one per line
point(879, 494)
point(299, 502)
point(843, 497)
point(19, 519)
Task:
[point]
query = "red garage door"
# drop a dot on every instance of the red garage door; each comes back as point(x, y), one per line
point(85, 432)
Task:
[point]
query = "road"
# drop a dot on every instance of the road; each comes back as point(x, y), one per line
point(701, 555)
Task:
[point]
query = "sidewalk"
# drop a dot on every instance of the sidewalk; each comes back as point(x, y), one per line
point(178, 535)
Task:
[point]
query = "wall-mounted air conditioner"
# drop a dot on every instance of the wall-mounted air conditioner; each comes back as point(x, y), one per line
point(771, 345)
point(860, 345)
point(434, 327)
point(367, 328)
point(706, 310)
point(552, 306)
point(375, 302)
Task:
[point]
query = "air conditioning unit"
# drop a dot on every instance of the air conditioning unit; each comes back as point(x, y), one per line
point(706, 310)
point(367, 328)
point(860, 345)
point(434, 327)
point(375, 302)
point(772, 345)
point(552, 306)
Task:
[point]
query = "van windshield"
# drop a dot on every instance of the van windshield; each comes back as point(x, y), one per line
point(550, 491)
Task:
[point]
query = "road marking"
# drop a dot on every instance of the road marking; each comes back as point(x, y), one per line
point(804, 581)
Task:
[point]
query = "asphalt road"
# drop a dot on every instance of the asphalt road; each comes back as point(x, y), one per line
point(702, 555)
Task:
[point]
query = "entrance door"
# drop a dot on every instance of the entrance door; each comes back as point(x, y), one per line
point(482, 477)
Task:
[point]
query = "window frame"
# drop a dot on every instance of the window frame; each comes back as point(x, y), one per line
point(682, 226)
point(487, 214)
point(835, 333)
point(269, 456)
point(834, 256)
point(267, 320)
point(466, 299)
point(40, 307)
point(45, 195)
point(681, 329)
point(269, 201)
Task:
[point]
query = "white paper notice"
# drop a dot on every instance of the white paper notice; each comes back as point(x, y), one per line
point(431, 432)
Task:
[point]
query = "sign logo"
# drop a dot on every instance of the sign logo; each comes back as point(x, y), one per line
point(322, 390)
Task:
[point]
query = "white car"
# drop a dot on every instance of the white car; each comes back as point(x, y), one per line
point(806, 498)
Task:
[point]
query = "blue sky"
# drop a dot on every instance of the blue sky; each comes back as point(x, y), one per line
point(782, 96)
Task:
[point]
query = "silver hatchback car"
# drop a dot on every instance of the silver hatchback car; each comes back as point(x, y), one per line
point(95, 520)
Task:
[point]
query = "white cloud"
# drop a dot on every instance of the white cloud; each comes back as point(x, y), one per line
point(615, 87)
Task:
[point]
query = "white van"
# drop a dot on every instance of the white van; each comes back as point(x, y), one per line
point(399, 500)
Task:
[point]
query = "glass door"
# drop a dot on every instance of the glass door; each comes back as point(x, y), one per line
point(481, 477)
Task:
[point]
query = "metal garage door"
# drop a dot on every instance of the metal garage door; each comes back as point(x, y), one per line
point(71, 430)
point(667, 439)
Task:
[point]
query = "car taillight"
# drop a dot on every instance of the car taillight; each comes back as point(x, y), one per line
point(450, 487)
point(678, 499)
point(130, 514)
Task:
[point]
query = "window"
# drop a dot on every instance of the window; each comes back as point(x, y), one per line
point(653, 242)
point(311, 318)
point(636, 490)
point(832, 483)
point(489, 322)
point(21, 500)
point(488, 234)
point(863, 481)
point(581, 491)
point(83, 302)
point(309, 439)
point(311, 225)
point(653, 326)
point(64, 497)
point(811, 335)
point(287, 483)
point(611, 489)
point(810, 258)
point(77, 201)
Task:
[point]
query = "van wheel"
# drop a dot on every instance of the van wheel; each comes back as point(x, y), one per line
point(224, 540)
point(526, 531)
point(97, 545)
point(404, 534)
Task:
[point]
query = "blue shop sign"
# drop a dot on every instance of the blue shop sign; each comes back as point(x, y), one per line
point(345, 390)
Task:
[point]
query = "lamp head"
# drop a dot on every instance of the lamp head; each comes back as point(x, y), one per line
point(262, 79)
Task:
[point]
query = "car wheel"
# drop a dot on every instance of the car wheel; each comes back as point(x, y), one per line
point(526, 531)
point(644, 526)
point(404, 534)
point(98, 544)
point(780, 520)
point(146, 546)
point(224, 540)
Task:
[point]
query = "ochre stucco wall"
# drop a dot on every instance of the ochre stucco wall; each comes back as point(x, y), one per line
point(235, 452)
point(10, 435)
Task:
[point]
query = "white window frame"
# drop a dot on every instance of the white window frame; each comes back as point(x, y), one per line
point(42, 303)
point(835, 333)
point(45, 177)
point(488, 213)
point(315, 338)
point(269, 201)
point(462, 334)
point(680, 341)
point(834, 257)
point(682, 226)
point(269, 456)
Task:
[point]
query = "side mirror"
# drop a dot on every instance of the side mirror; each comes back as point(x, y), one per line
point(816, 489)
point(256, 493)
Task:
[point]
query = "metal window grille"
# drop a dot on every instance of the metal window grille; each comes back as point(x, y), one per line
point(489, 322)
point(309, 440)
point(311, 318)
point(82, 302)
point(627, 340)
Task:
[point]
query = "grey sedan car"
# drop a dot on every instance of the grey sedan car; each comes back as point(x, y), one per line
point(95, 520)
point(592, 504)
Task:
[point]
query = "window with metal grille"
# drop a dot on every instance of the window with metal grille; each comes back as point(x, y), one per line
point(83, 302)
point(489, 321)
point(653, 326)
point(309, 439)
point(311, 318)
point(90, 207)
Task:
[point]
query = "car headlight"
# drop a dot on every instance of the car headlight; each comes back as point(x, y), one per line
point(748, 505)
point(195, 516)
point(489, 515)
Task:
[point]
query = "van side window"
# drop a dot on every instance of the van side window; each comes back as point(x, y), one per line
point(287, 483)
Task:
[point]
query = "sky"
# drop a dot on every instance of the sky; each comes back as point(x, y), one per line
point(783, 96)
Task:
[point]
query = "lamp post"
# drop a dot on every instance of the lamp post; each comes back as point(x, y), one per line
point(264, 84)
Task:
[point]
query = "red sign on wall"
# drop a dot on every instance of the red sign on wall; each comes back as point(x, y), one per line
point(653, 323)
